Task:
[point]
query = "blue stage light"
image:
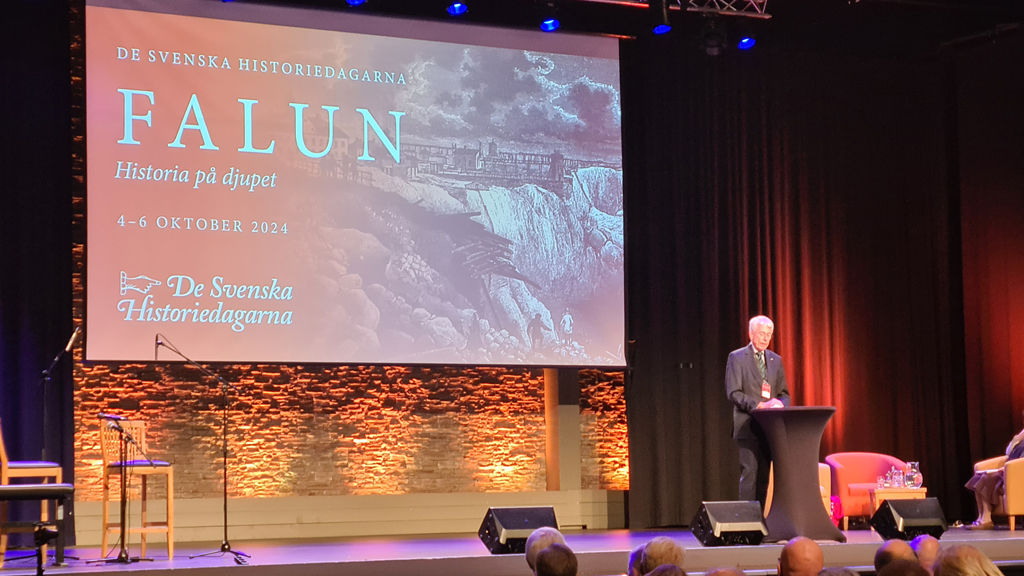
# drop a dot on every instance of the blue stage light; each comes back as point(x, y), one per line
point(457, 9)
point(550, 25)
point(355, 2)
point(746, 43)
point(662, 28)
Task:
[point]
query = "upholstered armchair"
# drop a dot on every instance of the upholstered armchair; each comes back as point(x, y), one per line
point(854, 474)
point(1013, 481)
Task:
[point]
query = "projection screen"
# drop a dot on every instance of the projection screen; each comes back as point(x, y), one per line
point(271, 184)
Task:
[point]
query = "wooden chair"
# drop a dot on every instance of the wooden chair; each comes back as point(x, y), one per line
point(23, 469)
point(136, 463)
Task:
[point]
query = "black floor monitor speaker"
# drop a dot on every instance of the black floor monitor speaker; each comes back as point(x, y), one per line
point(505, 530)
point(729, 524)
point(908, 519)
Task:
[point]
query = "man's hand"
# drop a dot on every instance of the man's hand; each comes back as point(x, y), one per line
point(775, 403)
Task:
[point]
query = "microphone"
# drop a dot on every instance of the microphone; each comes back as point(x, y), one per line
point(73, 339)
point(111, 416)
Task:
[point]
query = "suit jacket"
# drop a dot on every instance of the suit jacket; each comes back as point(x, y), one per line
point(743, 386)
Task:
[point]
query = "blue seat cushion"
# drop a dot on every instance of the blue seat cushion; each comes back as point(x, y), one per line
point(23, 464)
point(138, 463)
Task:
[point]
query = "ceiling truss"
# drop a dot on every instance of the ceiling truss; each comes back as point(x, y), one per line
point(747, 8)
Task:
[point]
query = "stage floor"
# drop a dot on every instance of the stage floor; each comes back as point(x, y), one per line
point(600, 553)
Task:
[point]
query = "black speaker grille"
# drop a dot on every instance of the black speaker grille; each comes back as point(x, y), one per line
point(729, 524)
point(505, 530)
point(908, 519)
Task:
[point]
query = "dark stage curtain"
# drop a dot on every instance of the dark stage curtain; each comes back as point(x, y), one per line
point(35, 229)
point(991, 123)
point(814, 189)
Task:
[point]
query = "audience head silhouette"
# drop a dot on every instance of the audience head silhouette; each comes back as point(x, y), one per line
point(801, 557)
point(667, 570)
point(903, 568)
point(927, 549)
point(540, 539)
point(893, 550)
point(633, 569)
point(660, 551)
point(556, 560)
point(963, 560)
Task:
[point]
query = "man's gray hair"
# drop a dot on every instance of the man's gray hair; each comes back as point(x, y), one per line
point(660, 551)
point(540, 539)
point(760, 321)
point(964, 560)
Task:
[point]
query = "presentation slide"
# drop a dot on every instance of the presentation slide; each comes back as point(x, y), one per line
point(270, 184)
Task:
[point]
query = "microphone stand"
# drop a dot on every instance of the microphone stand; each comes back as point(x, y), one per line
point(225, 545)
point(44, 381)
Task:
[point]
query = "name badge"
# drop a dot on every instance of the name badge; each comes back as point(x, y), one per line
point(766, 390)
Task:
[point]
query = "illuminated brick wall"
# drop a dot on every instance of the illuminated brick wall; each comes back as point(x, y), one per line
point(316, 430)
point(605, 447)
point(338, 430)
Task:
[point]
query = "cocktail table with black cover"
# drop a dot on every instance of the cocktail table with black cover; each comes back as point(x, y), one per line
point(794, 435)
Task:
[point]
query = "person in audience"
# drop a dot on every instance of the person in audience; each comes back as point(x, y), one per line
point(893, 550)
point(838, 571)
point(667, 570)
point(724, 572)
point(540, 539)
point(633, 569)
point(963, 560)
point(660, 551)
point(903, 568)
point(927, 548)
point(801, 557)
point(987, 485)
point(556, 560)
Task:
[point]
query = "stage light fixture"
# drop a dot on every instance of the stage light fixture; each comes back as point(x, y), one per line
point(549, 16)
point(457, 9)
point(712, 39)
point(746, 43)
point(659, 13)
point(355, 2)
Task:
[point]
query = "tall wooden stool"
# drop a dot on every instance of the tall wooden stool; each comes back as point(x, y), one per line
point(135, 463)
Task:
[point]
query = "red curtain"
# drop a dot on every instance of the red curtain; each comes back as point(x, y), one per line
point(834, 204)
point(815, 189)
point(991, 122)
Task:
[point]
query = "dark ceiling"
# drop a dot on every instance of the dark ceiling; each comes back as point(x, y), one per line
point(876, 27)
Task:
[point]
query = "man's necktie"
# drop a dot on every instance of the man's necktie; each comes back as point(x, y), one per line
point(761, 366)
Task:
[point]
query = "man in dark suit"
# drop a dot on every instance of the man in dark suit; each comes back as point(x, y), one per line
point(754, 378)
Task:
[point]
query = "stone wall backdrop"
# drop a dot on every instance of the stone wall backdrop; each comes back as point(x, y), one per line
point(315, 430)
